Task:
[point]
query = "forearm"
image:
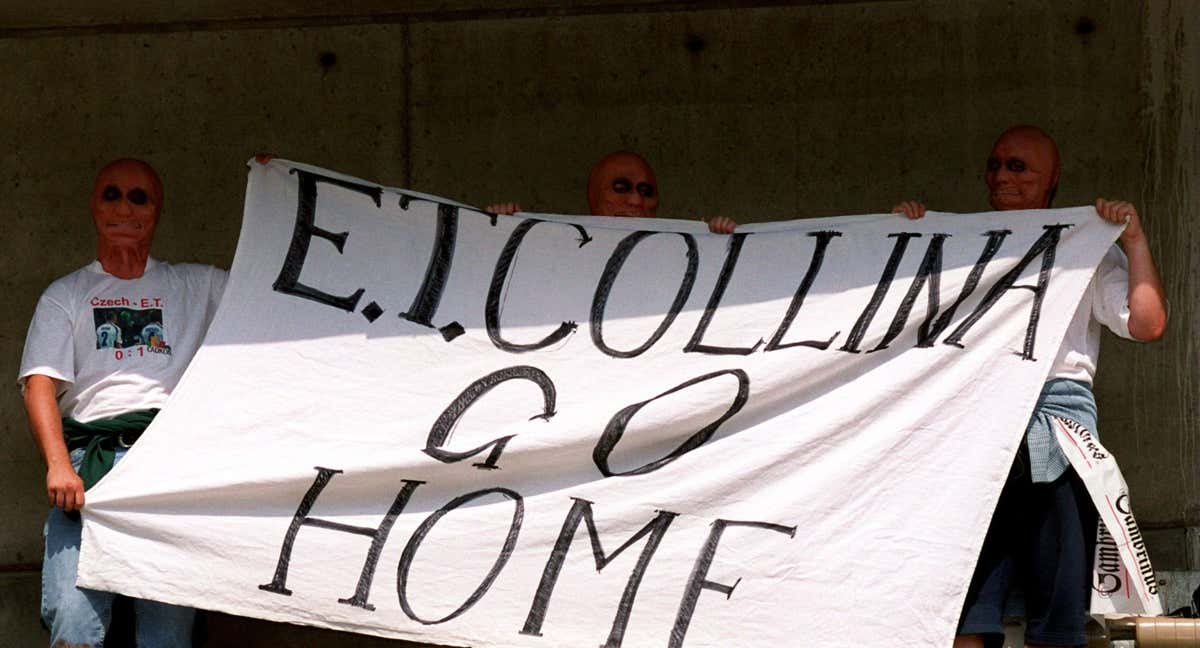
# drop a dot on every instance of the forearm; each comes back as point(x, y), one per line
point(64, 488)
point(45, 423)
point(1147, 299)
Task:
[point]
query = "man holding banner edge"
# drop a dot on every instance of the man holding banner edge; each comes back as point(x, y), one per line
point(1044, 524)
point(88, 399)
point(622, 183)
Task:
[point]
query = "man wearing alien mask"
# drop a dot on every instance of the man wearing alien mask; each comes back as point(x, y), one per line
point(1043, 528)
point(623, 184)
point(93, 378)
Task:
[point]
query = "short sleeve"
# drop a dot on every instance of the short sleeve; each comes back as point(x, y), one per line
point(49, 344)
point(1110, 296)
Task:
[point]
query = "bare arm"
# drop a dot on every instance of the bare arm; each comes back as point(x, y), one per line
point(63, 486)
point(1147, 299)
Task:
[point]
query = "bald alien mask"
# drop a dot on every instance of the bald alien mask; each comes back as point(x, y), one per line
point(622, 184)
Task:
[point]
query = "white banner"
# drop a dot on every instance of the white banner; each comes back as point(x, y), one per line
point(414, 420)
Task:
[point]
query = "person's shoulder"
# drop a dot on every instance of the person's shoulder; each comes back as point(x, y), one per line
point(64, 294)
point(71, 283)
point(193, 270)
point(198, 278)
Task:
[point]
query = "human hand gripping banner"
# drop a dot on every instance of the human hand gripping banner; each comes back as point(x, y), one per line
point(415, 420)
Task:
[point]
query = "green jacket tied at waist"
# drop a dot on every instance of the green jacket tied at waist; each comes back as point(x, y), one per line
point(100, 439)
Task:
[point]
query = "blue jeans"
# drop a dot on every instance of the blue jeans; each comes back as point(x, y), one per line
point(1042, 537)
point(78, 616)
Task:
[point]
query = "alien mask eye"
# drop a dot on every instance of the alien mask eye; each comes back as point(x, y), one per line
point(111, 193)
point(645, 189)
point(137, 196)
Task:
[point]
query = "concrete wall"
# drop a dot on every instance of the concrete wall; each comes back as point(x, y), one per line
point(762, 113)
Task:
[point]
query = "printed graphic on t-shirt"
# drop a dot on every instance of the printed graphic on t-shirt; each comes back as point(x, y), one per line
point(123, 328)
point(108, 336)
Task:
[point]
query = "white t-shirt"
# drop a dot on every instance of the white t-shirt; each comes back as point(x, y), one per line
point(89, 333)
point(1105, 301)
